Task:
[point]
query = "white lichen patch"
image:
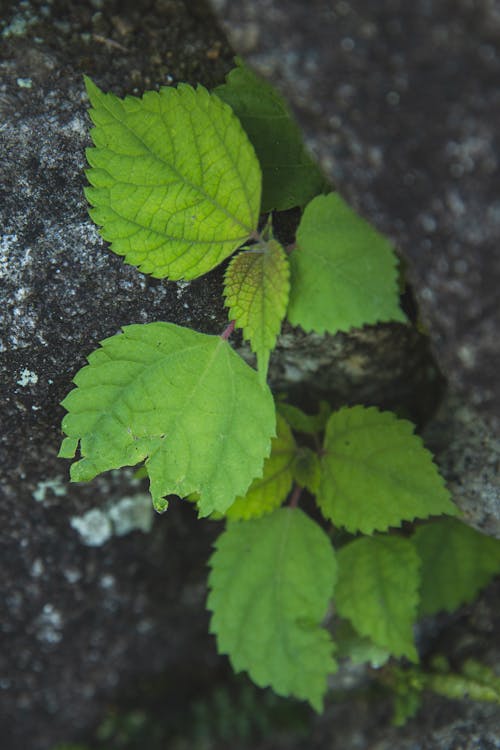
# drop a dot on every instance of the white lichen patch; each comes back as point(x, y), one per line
point(132, 514)
point(94, 527)
point(56, 486)
point(98, 525)
point(27, 377)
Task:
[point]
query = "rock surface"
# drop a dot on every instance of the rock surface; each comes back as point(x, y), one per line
point(96, 591)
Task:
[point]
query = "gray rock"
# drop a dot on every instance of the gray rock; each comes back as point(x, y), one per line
point(93, 598)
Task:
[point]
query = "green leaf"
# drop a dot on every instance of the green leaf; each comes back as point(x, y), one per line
point(175, 181)
point(269, 491)
point(257, 283)
point(299, 421)
point(344, 273)
point(182, 401)
point(307, 469)
point(357, 648)
point(377, 591)
point(457, 562)
point(290, 176)
point(376, 473)
point(271, 582)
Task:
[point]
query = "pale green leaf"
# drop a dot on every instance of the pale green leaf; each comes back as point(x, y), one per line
point(344, 273)
point(457, 562)
point(271, 582)
point(269, 491)
point(256, 287)
point(183, 402)
point(377, 591)
point(376, 473)
point(290, 176)
point(175, 181)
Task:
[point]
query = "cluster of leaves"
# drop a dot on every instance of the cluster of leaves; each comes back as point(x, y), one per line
point(179, 180)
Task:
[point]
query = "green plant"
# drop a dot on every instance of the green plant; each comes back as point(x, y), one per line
point(176, 188)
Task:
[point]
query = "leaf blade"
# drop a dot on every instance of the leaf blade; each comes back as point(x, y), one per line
point(376, 473)
point(344, 273)
point(271, 579)
point(290, 176)
point(268, 492)
point(377, 591)
point(256, 288)
point(175, 184)
point(457, 562)
point(182, 401)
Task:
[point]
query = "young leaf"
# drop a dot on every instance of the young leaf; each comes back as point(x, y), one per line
point(180, 400)
point(457, 562)
point(299, 421)
point(290, 176)
point(271, 490)
point(344, 273)
point(271, 582)
point(376, 473)
point(175, 181)
point(377, 590)
point(257, 283)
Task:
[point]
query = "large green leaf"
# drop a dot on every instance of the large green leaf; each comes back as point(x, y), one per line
point(377, 591)
point(180, 400)
point(268, 492)
point(457, 562)
point(271, 582)
point(290, 176)
point(376, 473)
point(256, 287)
point(344, 273)
point(175, 181)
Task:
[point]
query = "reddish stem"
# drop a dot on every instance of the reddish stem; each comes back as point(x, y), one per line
point(228, 330)
point(295, 496)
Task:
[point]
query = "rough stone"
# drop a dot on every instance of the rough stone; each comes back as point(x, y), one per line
point(92, 604)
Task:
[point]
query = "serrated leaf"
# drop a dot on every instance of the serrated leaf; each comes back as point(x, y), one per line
point(457, 562)
point(376, 473)
point(256, 287)
point(271, 582)
point(377, 591)
point(175, 182)
point(299, 421)
point(181, 401)
point(269, 491)
point(290, 176)
point(344, 273)
point(307, 469)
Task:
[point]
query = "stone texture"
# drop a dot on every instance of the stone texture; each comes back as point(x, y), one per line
point(92, 600)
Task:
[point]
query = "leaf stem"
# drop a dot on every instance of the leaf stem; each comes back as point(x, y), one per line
point(228, 330)
point(295, 496)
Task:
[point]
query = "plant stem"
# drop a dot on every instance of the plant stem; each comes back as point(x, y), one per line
point(228, 330)
point(295, 496)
